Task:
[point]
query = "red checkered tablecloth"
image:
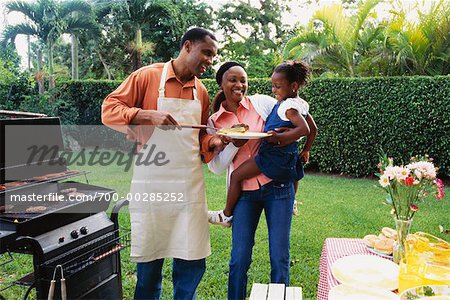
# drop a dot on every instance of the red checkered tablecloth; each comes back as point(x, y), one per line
point(333, 249)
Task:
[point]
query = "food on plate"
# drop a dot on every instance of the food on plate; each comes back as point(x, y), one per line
point(39, 178)
point(241, 125)
point(68, 190)
point(370, 240)
point(36, 209)
point(384, 245)
point(384, 242)
point(239, 128)
point(389, 233)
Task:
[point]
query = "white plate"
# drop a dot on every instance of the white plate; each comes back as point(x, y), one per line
point(366, 271)
point(345, 292)
point(432, 292)
point(370, 249)
point(246, 136)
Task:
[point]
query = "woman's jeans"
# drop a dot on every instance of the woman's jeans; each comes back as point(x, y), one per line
point(186, 275)
point(277, 200)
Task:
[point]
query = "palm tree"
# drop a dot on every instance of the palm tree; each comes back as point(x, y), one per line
point(77, 24)
point(420, 47)
point(48, 20)
point(332, 39)
point(145, 12)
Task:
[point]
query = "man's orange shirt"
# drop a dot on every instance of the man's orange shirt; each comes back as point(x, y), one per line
point(246, 114)
point(140, 91)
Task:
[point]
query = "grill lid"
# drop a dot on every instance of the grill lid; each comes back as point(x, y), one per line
point(29, 147)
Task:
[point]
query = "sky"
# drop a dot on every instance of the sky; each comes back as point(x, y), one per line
point(301, 12)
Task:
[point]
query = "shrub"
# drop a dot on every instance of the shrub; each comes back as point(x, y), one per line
point(356, 117)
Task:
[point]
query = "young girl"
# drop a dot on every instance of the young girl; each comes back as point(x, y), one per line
point(278, 156)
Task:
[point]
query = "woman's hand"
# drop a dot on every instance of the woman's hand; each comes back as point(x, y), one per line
point(238, 142)
point(216, 143)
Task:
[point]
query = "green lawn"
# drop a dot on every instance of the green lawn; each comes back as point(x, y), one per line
point(330, 206)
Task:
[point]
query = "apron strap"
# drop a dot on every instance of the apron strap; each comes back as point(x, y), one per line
point(194, 91)
point(162, 83)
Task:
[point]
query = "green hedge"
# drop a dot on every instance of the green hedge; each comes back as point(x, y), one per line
point(356, 117)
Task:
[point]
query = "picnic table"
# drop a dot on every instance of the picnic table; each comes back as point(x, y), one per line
point(333, 249)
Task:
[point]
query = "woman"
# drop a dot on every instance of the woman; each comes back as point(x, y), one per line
point(231, 106)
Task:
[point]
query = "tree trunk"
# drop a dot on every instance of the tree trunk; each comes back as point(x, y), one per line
point(136, 56)
point(74, 48)
point(29, 53)
point(108, 72)
point(51, 79)
point(40, 73)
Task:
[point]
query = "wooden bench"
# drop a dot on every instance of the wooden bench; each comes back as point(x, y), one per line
point(275, 291)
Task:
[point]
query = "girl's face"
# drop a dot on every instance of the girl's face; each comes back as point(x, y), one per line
point(234, 84)
point(282, 88)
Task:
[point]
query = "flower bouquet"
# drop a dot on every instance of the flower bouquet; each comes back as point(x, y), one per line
point(407, 186)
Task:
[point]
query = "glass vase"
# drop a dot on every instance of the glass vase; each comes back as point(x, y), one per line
point(403, 227)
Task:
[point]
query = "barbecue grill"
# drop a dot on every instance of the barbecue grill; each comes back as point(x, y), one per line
point(74, 244)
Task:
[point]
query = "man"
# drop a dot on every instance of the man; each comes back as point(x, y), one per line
point(169, 94)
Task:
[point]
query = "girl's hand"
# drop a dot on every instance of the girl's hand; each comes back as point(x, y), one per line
point(278, 138)
point(304, 155)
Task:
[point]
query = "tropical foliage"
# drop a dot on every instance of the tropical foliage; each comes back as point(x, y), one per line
point(47, 20)
point(421, 47)
point(359, 45)
point(110, 39)
point(252, 34)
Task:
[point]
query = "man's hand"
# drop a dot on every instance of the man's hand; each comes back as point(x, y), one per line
point(154, 117)
point(131, 135)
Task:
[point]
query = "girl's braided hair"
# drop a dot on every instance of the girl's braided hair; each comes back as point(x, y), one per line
point(295, 71)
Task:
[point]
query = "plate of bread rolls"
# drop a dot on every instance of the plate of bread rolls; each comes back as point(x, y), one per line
point(383, 243)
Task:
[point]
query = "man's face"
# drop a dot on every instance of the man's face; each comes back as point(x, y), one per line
point(200, 55)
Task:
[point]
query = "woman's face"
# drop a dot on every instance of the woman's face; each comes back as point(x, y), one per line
point(281, 87)
point(234, 84)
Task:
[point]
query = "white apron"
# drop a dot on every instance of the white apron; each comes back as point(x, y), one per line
point(173, 222)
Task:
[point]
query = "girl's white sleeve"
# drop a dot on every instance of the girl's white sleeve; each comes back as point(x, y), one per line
point(224, 158)
point(295, 103)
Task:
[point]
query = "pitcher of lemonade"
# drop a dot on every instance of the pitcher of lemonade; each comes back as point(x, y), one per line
point(426, 262)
